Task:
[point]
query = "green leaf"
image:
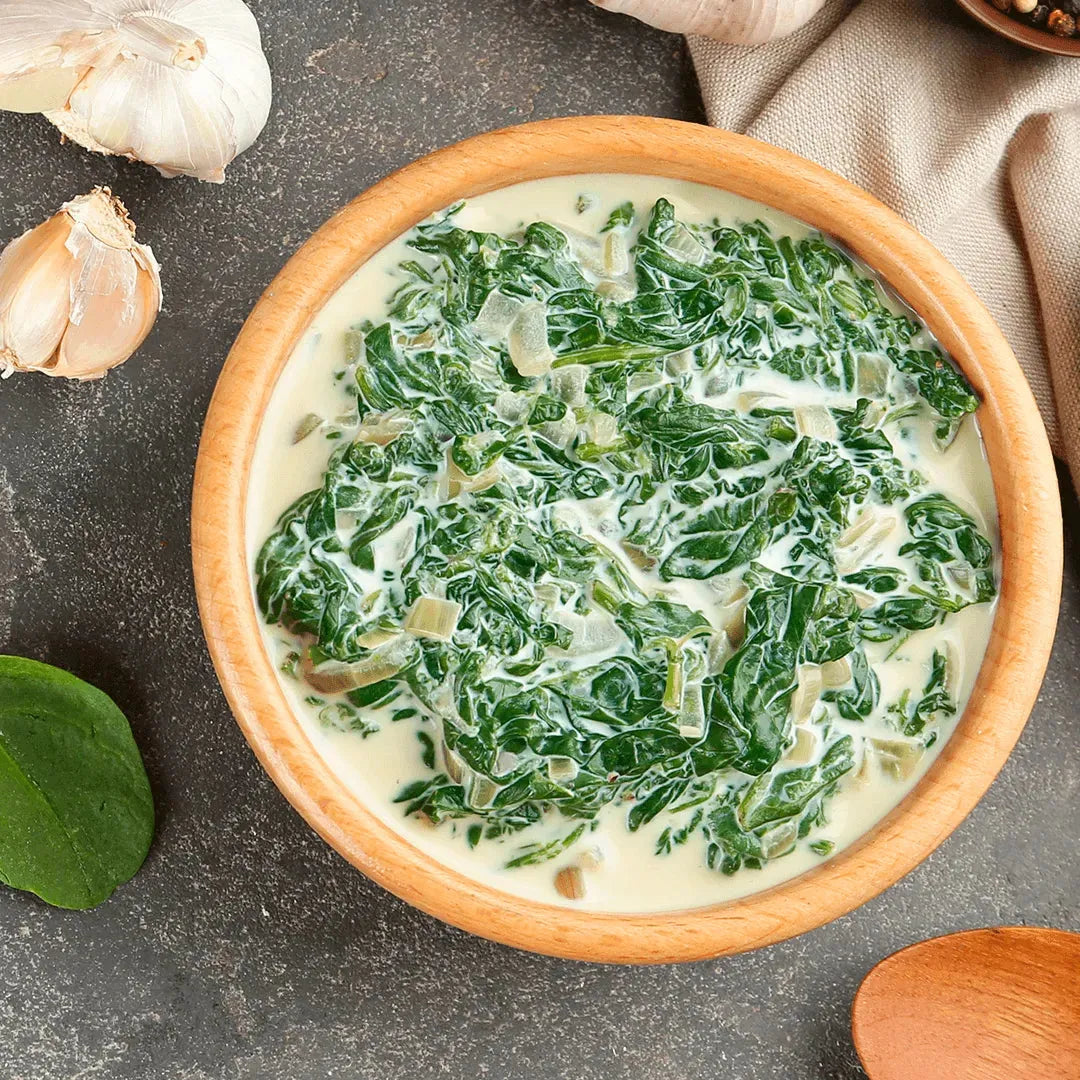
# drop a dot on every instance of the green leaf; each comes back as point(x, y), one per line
point(777, 797)
point(621, 217)
point(78, 816)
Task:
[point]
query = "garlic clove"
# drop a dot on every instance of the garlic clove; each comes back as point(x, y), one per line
point(78, 294)
point(111, 329)
point(740, 22)
point(181, 84)
point(39, 91)
point(33, 311)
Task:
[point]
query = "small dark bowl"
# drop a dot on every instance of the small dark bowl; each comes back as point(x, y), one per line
point(1031, 37)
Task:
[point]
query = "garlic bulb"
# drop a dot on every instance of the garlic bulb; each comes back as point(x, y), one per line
point(77, 294)
point(180, 84)
point(739, 22)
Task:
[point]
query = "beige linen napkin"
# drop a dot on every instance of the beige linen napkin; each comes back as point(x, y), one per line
point(973, 140)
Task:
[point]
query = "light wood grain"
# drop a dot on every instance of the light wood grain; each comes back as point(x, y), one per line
point(997, 1004)
point(1016, 444)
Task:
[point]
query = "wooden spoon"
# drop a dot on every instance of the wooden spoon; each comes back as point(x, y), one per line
point(997, 1004)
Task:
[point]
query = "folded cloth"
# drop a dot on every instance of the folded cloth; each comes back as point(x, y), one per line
point(972, 139)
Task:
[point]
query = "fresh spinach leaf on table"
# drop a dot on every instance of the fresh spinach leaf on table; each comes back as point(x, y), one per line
point(76, 813)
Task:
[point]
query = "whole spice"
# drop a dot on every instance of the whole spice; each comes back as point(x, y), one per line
point(180, 84)
point(1061, 23)
point(1039, 15)
point(741, 22)
point(77, 294)
point(570, 882)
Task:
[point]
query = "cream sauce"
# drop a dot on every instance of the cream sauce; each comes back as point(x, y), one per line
point(375, 768)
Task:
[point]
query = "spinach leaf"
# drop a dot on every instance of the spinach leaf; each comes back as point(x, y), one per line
point(783, 795)
point(78, 815)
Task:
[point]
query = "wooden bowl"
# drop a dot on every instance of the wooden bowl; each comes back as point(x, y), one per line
point(1024, 481)
point(1031, 37)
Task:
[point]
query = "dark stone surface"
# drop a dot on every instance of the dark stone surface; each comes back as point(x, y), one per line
point(247, 948)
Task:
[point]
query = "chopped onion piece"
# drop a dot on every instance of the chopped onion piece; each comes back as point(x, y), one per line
point(683, 242)
point(455, 767)
point(806, 693)
point(836, 673)
point(864, 600)
point(729, 590)
point(560, 432)
point(336, 678)
point(804, 749)
point(678, 363)
point(530, 352)
point(779, 841)
point(720, 652)
point(871, 375)
point(512, 407)
point(506, 762)
point(592, 633)
point(642, 380)
point(898, 757)
point(732, 608)
point(588, 249)
point(875, 413)
point(860, 777)
point(306, 426)
point(953, 667)
point(379, 636)
point(434, 618)
point(570, 882)
point(618, 290)
point(481, 792)
point(495, 315)
point(383, 428)
point(591, 860)
point(692, 716)
point(616, 255)
point(562, 769)
point(815, 422)
point(602, 428)
point(568, 384)
point(548, 593)
point(751, 399)
point(639, 557)
point(861, 538)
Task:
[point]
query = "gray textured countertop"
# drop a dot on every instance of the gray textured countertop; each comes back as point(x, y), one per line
point(246, 947)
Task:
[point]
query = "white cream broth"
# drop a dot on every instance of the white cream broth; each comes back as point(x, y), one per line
point(630, 876)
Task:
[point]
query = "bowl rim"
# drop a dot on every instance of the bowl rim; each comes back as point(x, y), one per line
point(1022, 468)
point(1020, 33)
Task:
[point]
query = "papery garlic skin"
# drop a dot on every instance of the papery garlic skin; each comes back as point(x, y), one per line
point(78, 294)
point(738, 22)
point(180, 84)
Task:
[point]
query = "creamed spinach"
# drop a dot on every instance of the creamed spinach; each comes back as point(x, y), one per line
point(620, 522)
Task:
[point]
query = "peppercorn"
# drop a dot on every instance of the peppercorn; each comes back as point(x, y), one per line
point(1061, 23)
point(1039, 16)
